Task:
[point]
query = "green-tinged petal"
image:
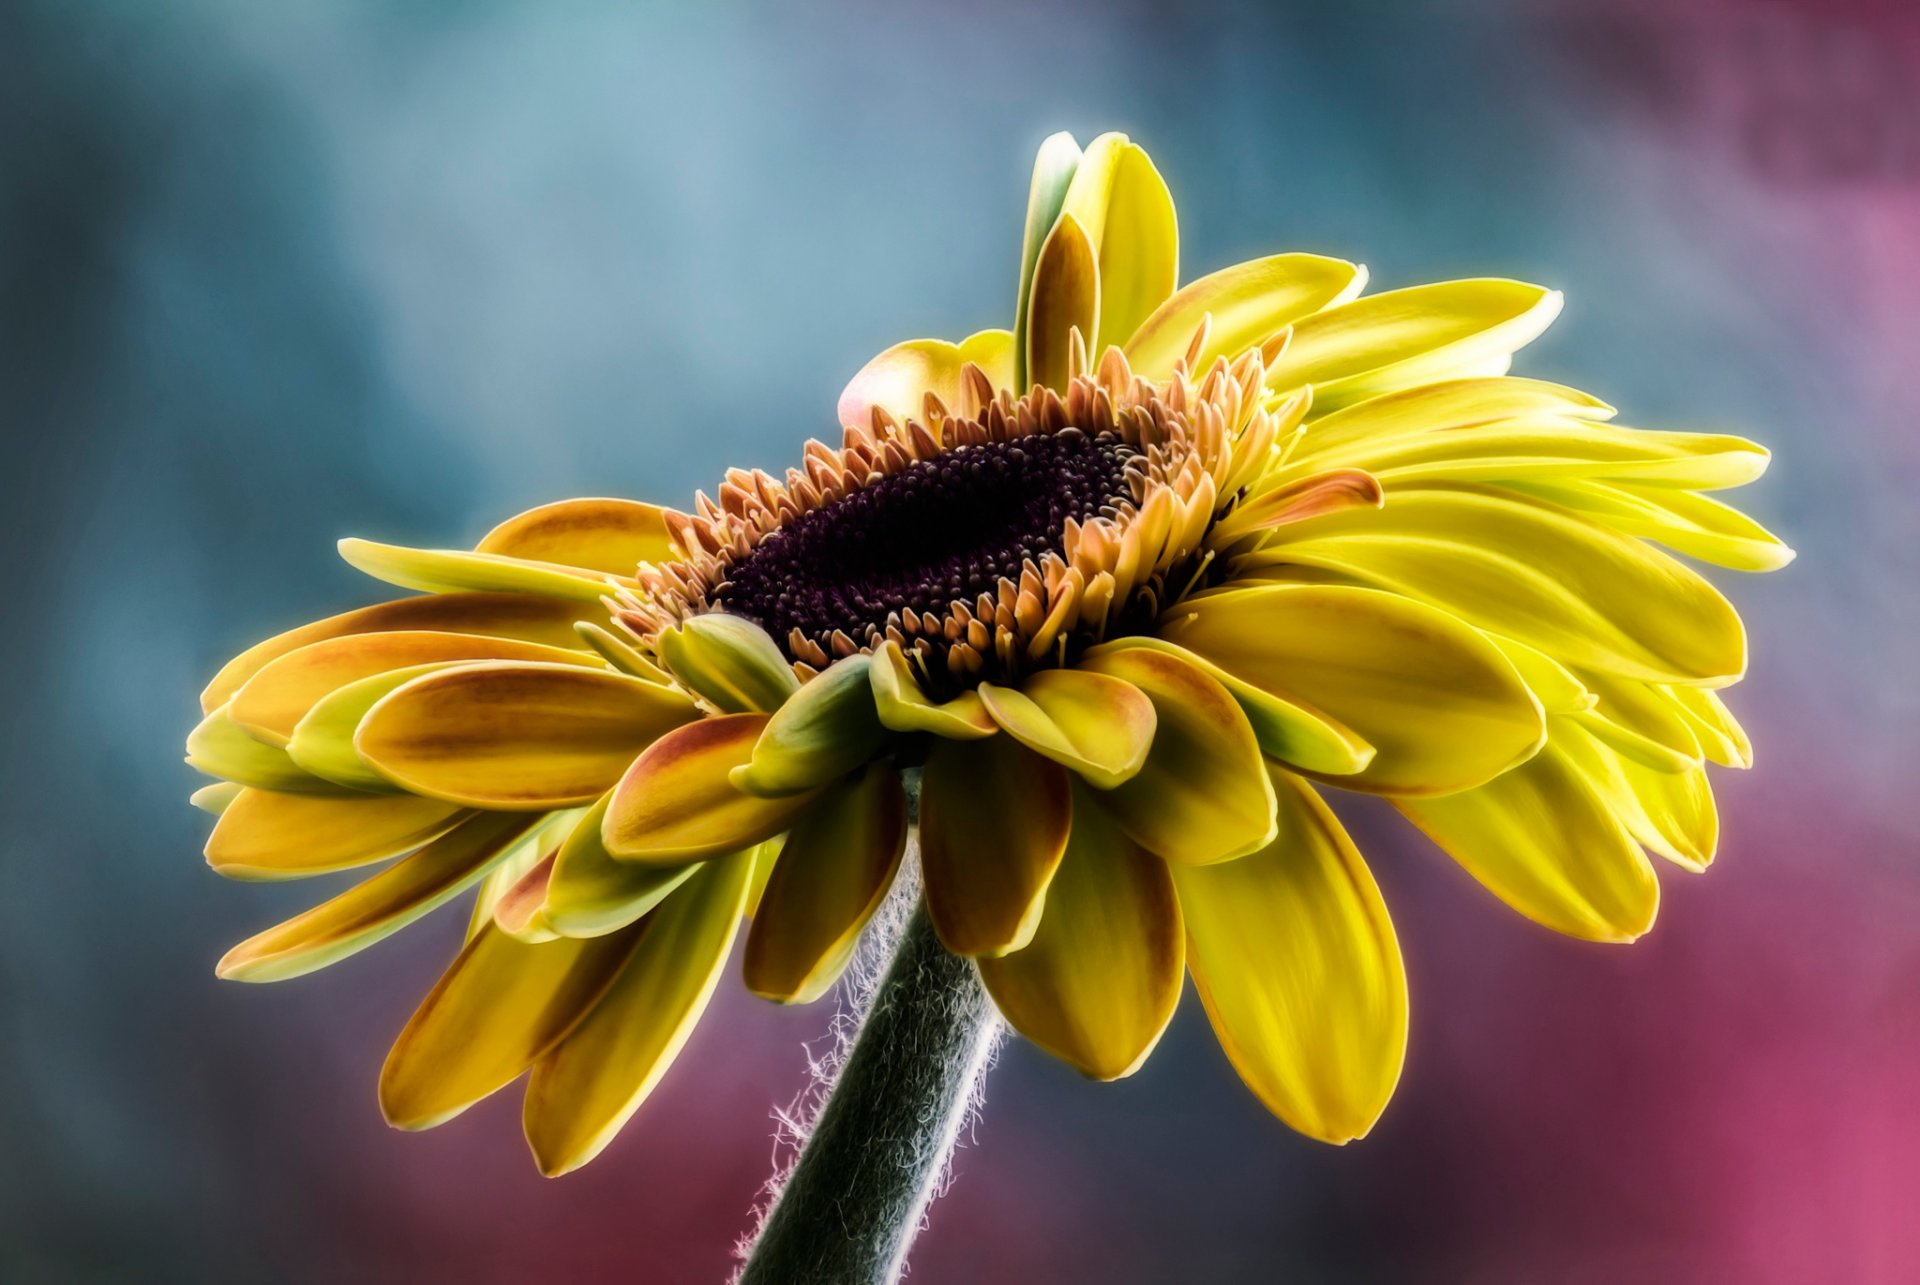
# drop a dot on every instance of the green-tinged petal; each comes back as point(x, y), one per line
point(827, 729)
point(832, 875)
point(1123, 204)
point(587, 1087)
point(1093, 724)
point(1584, 594)
point(221, 747)
point(323, 740)
point(1696, 525)
point(1379, 343)
point(459, 571)
point(608, 536)
point(499, 1007)
point(1099, 981)
point(1248, 303)
point(1284, 730)
point(516, 736)
point(903, 707)
point(1544, 840)
point(1432, 409)
point(1296, 962)
point(589, 894)
point(676, 803)
point(1722, 739)
point(1203, 794)
point(268, 835)
point(899, 379)
point(382, 905)
point(1066, 298)
point(497, 615)
point(1443, 708)
point(271, 703)
point(730, 661)
point(215, 798)
point(994, 818)
point(1053, 171)
point(617, 651)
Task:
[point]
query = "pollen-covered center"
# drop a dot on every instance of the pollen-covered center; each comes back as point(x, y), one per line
point(940, 531)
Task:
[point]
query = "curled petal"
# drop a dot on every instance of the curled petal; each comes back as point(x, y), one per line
point(730, 661)
point(1247, 304)
point(828, 728)
point(899, 379)
point(903, 707)
point(608, 536)
point(1093, 724)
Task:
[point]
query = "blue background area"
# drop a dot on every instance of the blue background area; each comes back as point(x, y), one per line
point(273, 274)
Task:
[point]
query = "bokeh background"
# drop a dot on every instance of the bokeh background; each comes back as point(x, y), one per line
point(270, 274)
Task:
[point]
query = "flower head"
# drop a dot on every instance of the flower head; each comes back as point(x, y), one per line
point(1128, 584)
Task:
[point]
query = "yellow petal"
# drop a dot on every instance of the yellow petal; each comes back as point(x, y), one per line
point(1379, 343)
point(676, 804)
point(1053, 170)
point(1669, 812)
point(828, 728)
point(220, 747)
point(1123, 205)
point(380, 906)
point(1721, 737)
point(1434, 409)
point(456, 571)
point(903, 707)
point(273, 701)
point(216, 797)
point(994, 819)
point(1552, 683)
point(499, 1007)
point(1696, 525)
point(1443, 708)
point(832, 875)
point(899, 379)
point(1306, 497)
point(1203, 793)
point(1066, 298)
point(592, 1082)
point(610, 536)
point(497, 615)
point(1248, 303)
point(619, 652)
point(730, 661)
point(1570, 587)
point(1093, 724)
point(1296, 962)
point(1543, 839)
point(323, 740)
point(1550, 450)
point(1640, 721)
point(267, 835)
point(520, 910)
point(514, 736)
point(589, 894)
point(1099, 981)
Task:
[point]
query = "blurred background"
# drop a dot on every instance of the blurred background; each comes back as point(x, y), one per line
point(272, 274)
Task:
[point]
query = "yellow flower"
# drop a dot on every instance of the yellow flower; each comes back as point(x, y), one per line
point(1128, 584)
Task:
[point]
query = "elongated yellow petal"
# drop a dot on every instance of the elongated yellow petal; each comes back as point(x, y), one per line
point(832, 875)
point(1555, 686)
point(676, 803)
point(1053, 170)
point(498, 615)
point(271, 703)
point(1203, 793)
point(1441, 705)
point(1550, 450)
point(1307, 497)
point(1721, 737)
point(899, 379)
point(1640, 721)
point(1296, 962)
point(903, 707)
point(1696, 525)
point(514, 736)
point(994, 818)
point(730, 661)
point(382, 905)
point(1669, 812)
point(617, 650)
point(498, 1008)
point(1379, 343)
point(592, 1082)
point(1123, 204)
point(1543, 839)
point(609, 536)
point(1066, 298)
point(457, 571)
point(221, 747)
point(1093, 724)
point(1099, 981)
point(268, 835)
point(589, 894)
point(1347, 434)
point(825, 730)
point(1568, 586)
point(323, 740)
point(1248, 303)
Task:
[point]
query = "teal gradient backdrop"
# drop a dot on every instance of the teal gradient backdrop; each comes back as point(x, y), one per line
point(272, 274)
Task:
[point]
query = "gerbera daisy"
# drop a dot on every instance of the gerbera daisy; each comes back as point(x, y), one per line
point(1119, 591)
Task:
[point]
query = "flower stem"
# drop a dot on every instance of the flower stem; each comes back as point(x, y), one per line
point(879, 1149)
